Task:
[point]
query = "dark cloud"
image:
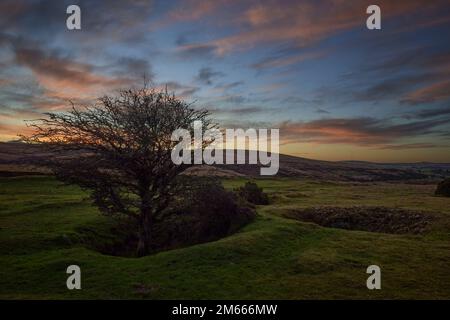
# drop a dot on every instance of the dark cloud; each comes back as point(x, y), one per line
point(180, 89)
point(39, 19)
point(419, 58)
point(135, 67)
point(206, 75)
point(243, 123)
point(390, 88)
point(433, 113)
point(53, 65)
point(417, 76)
point(196, 51)
point(239, 111)
point(234, 98)
point(322, 111)
point(296, 100)
point(231, 85)
point(181, 40)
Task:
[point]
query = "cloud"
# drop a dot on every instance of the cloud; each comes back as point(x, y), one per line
point(232, 98)
point(206, 75)
point(57, 77)
point(239, 111)
point(11, 114)
point(433, 113)
point(181, 90)
point(389, 88)
point(409, 146)
point(431, 93)
point(30, 100)
point(11, 131)
point(299, 100)
point(63, 77)
point(309, 21)
point(196, 51)
point(227, 86)
point(279, 60)
point(189, 10)
point(134, 67)
point(415, 77)
point(102, 21)
point(363, 131)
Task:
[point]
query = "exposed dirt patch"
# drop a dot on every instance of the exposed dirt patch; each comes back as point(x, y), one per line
point(373, 219)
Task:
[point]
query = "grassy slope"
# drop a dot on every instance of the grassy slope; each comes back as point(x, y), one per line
point(272, 258)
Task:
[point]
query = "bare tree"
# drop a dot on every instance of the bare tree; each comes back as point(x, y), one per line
point(120, 150)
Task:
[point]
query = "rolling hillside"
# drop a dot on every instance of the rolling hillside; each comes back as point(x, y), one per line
point(16, 158)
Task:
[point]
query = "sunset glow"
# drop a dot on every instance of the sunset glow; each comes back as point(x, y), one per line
point(336, 90)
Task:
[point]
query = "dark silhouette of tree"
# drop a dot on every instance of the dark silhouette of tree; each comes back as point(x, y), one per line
point(120, 150)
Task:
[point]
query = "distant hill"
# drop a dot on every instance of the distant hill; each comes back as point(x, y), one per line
point(291, 166)
point(16, 157)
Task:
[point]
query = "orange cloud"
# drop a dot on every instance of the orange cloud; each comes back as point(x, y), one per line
point(356, 131)
point(12, 131)
point(194, 9)
point(434, 92)
point(302, 22)
point(189, 10)
point(63, 78)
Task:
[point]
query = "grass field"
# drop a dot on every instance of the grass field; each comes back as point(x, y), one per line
point(271, 258)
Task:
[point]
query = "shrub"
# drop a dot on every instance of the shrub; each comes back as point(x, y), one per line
point(206, 212)
point(253, 194)
point(443, 188)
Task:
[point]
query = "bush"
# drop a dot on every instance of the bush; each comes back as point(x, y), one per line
point(206, 212)
point(443, 188)
point(253, 194)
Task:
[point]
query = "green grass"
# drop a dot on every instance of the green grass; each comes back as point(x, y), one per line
point(272, 258)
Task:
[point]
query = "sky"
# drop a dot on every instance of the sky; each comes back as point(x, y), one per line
point(335, 89)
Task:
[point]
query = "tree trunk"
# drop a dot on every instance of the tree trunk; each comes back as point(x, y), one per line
point(144, 244)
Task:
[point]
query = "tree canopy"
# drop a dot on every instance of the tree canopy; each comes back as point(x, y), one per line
point(120, 150)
